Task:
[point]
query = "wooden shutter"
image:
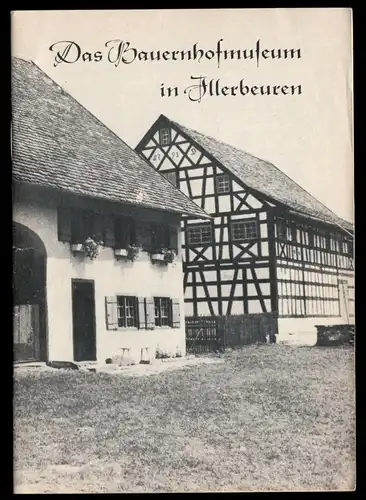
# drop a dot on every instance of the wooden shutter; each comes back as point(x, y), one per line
point(111, 313)
point(98, 227)
point(175, 305)
point(109, 237)
point(64, 224)
point(132, 232)
point(141, 312)
point(174, 238)
point(150, 313)
point(154, 235)
point(167, 237)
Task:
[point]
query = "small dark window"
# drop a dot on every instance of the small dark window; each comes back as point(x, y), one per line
point(171, 176)
point(127, 311)
point(244, 230)
point(82, 226)
point(164, 136)
point(199, 234)
point(222, 183)
point(311, 238)
point(160, 236)
point(293, 233)
point(163, 314)
point(281, 229)
point(347, 247)
point(124, 231)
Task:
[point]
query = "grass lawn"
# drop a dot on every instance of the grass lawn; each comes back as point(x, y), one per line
point(269, 418)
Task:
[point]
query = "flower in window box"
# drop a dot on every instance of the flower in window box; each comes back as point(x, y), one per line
point(169, 254)
point(91, 247)
point(133, 251)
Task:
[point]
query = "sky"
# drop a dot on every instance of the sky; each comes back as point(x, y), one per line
point(307, 136)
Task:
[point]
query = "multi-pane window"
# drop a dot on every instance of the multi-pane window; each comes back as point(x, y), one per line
point(127, 311)
point(82, 226)
point(222, 183)
point(164, 136)
point(199, 234)
point(171, 176)
point(163, 316)
point(244, 230)
point(124, 231)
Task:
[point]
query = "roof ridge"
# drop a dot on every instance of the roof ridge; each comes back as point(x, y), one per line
point(122, 157)
point(262, 160)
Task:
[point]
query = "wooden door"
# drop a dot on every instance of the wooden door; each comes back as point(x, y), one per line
point(83, 313)
point(26, 339)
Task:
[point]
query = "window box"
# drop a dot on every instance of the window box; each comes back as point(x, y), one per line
point(77, 247)
point(158, 257)
point(121, 252)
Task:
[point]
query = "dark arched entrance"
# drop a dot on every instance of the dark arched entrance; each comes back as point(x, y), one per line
point(29, 295)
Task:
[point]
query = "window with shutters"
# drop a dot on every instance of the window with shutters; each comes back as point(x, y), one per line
point(124, 231)
point(127, 311)
point(160, 236)
point(164, 136)
point(244, 230)
point(163, 311)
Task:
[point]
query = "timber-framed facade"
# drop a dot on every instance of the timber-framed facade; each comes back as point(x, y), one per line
point(269, 247)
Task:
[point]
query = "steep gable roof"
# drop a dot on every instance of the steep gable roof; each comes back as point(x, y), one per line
point(57, 143)
point(263, 177)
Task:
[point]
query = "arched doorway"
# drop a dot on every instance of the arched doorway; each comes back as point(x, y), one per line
point(29, 295)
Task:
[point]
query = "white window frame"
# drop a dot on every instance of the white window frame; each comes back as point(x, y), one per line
point(222, 184)
point(164, 137)
point(244, 235)
point(123, 318)
point(159, 305)
point(200, 230)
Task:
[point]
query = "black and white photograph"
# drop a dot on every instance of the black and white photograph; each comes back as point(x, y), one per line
point(183, 251)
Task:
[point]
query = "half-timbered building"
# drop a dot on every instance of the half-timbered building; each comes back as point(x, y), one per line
point(270, 245)
point(77, 189)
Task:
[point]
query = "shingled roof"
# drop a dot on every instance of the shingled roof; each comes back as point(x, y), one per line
point(57, 143)
point(264, 177)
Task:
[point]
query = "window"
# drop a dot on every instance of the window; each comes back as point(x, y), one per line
point(244, 230)
point(127, 311)
point(160, 236)
point(222, 184)
point(199, 234)
point(171, 176)
point(124, 231)
point(82, 226)
point(311, 238)
point(164, 136)
point(281, 229)
point(163, 316)
point(293, 233)
point(349, 248)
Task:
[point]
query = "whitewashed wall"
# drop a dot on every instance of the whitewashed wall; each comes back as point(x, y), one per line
point(140, 278)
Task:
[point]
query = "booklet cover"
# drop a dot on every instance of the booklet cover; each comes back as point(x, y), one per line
point(183, 250)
